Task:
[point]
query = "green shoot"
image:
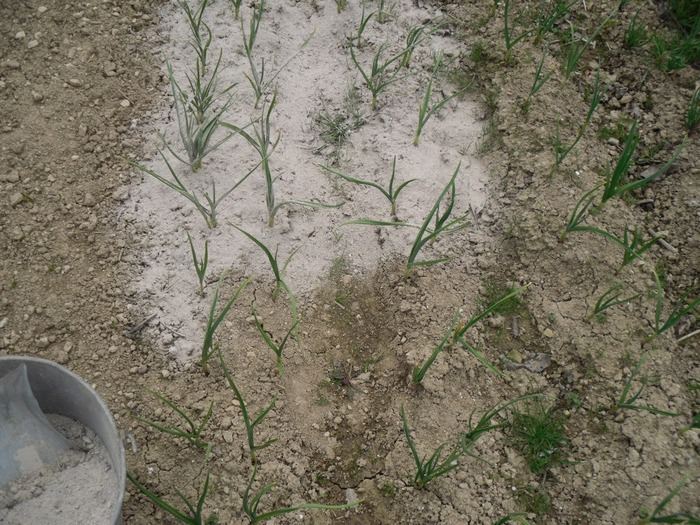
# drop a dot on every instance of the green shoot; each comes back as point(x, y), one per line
point(257, 80)
point(206, 209)
point(196, 130)
point(391, 193)
point(628, 400)
point(414, 37)
point(614, 186)
point(443, 226)
point(191, 432)
point(275, 347)
point(426, 110)
point(251, 501)
point(536, 84)
point(384, 12)
point(419, 371)
point(511, 40)
point(547, 21)
point(213, 323)
point(680, 310)
point(610, 298)
point(518, 518)
point(576, 49)
point(631, 242)
point(469, 438)
point(656, 515)
point(200, 42)
point(380, 76)
point(194, 513)
point(236, 6)
point(341, 5)
point(261, 140)
point(364, 20)
point(692, 118)
point(580, 213)
point(249, 423)
point(507, 298)
point(636, 34)
point(429, 468)
point(561, 151)
point(200, 265)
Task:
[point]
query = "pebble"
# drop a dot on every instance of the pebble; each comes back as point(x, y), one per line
point(228, 436)
point(125, 103)
point(16, 198)
point(109, 69)
point(350, 496)
point(12, 64)
point(10, 177)
point(42, 9)
point(165, 374)
point(32, 44)
point(405, 306)
point(548, 333)
point(89, 200)
point(37, 97)
point(20, 35)
point(120, 195)
point(74, 82)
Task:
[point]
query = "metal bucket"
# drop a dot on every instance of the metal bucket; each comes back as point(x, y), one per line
point(60, 391)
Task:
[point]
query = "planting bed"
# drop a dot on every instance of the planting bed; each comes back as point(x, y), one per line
point(97, 271)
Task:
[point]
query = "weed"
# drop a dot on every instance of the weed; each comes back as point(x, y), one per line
point(692, 118)
point(385, 12)
point(537, 84)
point(194, 515)
point(380, 76)
point(538, 433)
point(191, 432)
point(636, 34)
point(680, 310)
point(252, 501)
point(206, 209)
point(517, 518)
point(335, 128)
point(213, 323)
point(478, 53)
point(429, 468)
point(426, 110)
point(249, 423)
point(200, 265)
point(277, 348)
point(610, 298)
point(576, 49)
point(341, 5)
point(657, 516)
point(500, 298)
point(628, 400)
point(535, 500)
point(391, 193)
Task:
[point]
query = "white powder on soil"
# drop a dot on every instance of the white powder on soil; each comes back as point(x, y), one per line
point(79, 489)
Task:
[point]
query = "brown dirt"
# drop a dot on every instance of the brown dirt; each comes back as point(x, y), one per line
point(68, 259)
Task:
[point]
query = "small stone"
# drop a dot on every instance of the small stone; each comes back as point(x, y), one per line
point(405, 306)
point(37, 97)
point(226, 422)
point(32, 44)
point(120, 195)
point(515, 356)
point(74, 82)
point(548, 333)
point(125, 103)
point(109, 69)
point(16, 198)
point(228, 436)
point(62, 357)
point(12, 64)
point(250, 319)
point(42, 342)
point(165, 374)
point(19, 35)
point(42, 9)
point(10, 177)
point(17, 234)
point(89, 200)
point(350, 496)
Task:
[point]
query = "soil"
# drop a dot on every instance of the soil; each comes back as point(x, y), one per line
point(96, 272)
point(81, 487)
